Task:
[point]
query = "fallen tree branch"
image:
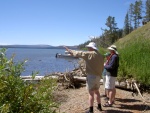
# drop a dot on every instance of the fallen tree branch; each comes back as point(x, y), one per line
point(139, 91)
point(144, 101)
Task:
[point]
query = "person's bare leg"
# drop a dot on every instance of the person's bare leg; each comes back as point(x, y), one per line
point(112, 93)
point(97, 93)
point(107, 93)
point(91, 98)
point(91, 102)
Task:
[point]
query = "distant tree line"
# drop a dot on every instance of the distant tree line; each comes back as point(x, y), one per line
point(137, 14)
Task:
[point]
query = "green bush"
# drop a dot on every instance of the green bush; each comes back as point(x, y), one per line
point(17, 96)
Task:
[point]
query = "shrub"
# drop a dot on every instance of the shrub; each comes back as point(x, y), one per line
point(17, 96)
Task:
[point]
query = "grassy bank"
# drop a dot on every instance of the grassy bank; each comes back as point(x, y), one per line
point(134, 55)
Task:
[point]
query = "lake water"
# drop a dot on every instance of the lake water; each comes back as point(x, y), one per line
point(41, 60)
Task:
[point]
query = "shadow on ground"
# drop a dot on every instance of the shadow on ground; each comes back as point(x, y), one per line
point(116, 111)
point(125, 104)
point(126, 100)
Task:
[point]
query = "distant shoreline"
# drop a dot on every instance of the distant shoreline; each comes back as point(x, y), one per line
point(36, 46)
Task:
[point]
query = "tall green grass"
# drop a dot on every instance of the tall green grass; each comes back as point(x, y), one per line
point(134, 55)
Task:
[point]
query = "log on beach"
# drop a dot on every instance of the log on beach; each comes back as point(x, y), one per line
point(31, 79)
point(77, 80)
point(121, 85)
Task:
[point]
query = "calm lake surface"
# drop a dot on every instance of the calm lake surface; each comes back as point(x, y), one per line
point(41, 60)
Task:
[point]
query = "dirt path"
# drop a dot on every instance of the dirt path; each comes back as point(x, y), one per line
point(76, 101)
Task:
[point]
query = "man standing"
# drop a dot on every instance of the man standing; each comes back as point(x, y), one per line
point(94, 67)
point(111, 67)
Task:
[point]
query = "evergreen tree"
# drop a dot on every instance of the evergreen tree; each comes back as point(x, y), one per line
point(130, 14)
point(137, 13)
point(131, 22)
point(110, 22)
point(112, 34)
point(126, 25)
point(148, 9)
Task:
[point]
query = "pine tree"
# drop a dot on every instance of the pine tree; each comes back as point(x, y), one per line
point(147, 9)
point(137, 13)
point(111, 33)
point(130, 14)
point(126, 25)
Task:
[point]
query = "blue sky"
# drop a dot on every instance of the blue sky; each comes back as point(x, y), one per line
point(57, 22)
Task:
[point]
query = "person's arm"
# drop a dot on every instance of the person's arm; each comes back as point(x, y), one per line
point(79, 54)
point(67, 49)
point(111, 64)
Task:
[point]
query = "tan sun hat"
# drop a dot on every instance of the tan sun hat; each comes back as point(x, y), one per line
point(92, 45)
point(114, 48)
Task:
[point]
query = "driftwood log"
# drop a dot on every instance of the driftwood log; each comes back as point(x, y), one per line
point(74, 78)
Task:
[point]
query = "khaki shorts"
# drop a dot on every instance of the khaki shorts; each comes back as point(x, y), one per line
point(110, 82)
point(93, 82)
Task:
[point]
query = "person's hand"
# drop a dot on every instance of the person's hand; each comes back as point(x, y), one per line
point(68, 50)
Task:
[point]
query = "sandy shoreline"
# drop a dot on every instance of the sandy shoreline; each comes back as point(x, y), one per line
point(76, 101)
